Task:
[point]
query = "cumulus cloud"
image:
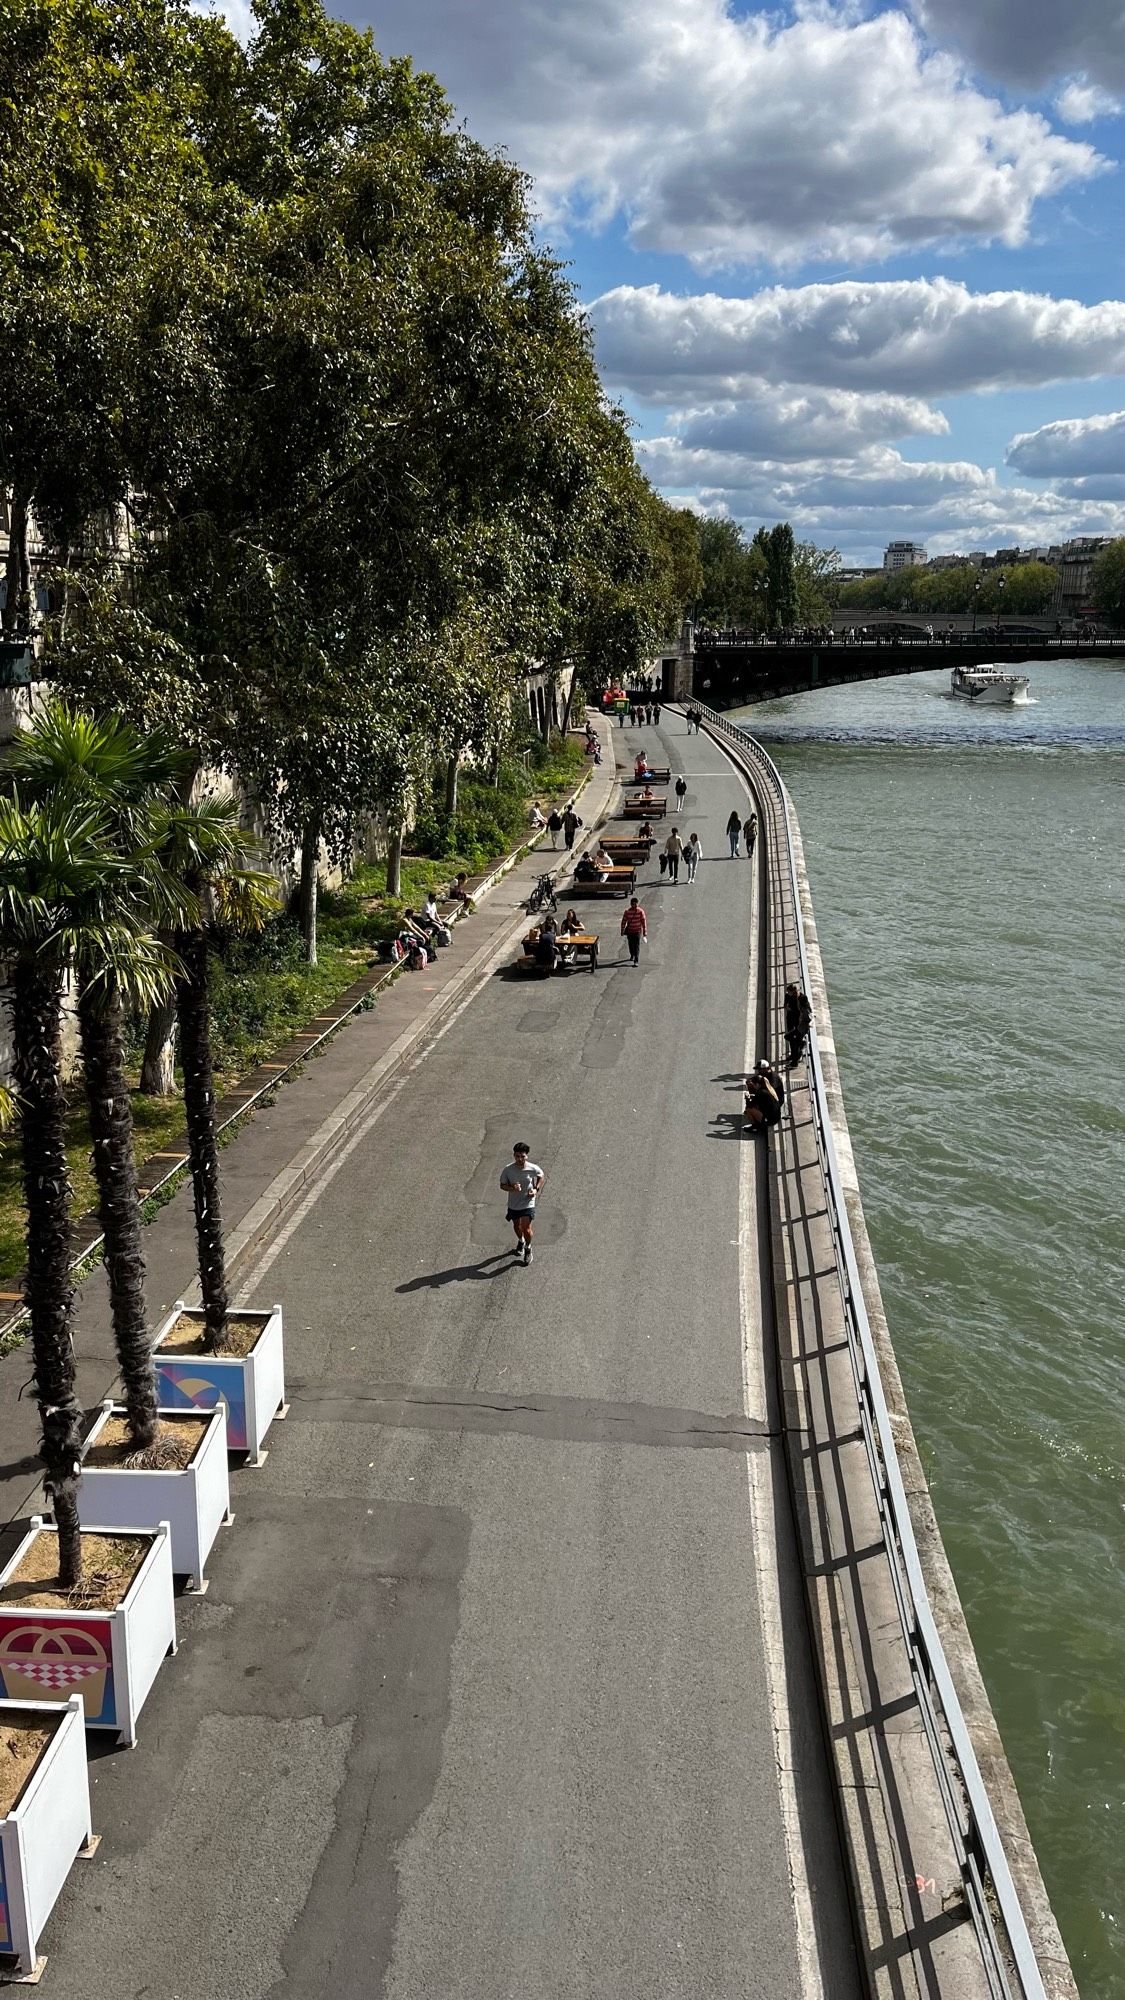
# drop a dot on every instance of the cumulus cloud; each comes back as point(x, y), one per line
point(859, 502)
point(731, 139)
point(1073, 447)
point(921, 337)
point(1080, 103)
point(1035, 42)
point(810, 423)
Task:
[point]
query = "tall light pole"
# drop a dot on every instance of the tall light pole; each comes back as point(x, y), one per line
point(1000, 583)
point(976, 601)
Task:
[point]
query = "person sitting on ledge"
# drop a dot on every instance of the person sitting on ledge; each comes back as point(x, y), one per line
point(459, 892)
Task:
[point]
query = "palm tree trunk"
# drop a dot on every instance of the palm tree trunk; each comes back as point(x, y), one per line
point(101, 1027)
point(194, 1010)
point(158, 1065)
point(49, 1294)
point(310, 864)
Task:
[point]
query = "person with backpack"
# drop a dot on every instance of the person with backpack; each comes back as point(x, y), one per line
point(570, 825)
point(634, 927)
point(693, 855)
point(681, 792)
point(673, 848)
point(554, 825)
point(750, 835)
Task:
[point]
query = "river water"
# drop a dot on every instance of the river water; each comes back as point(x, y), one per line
point(968, 876)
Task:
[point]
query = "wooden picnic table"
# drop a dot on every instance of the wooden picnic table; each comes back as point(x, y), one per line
point(582, 944)
point(660, 773)
point(645, 808)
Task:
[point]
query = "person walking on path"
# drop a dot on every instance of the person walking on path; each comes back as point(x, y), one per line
point(681, 792)
point(734, 828)
point(693, 855)
point(750, 835)
point(798, 1020)
point(571, 824)
point(634, 927)
point(521, 1181)
point(554, 825)
point(656, 715)
point(673, 848)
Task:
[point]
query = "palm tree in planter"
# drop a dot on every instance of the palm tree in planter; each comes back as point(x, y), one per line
point(106, 766)
point(54, 855)
point(203, 850)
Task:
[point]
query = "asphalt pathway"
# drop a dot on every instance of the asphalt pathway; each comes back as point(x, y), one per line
point(493, 1693)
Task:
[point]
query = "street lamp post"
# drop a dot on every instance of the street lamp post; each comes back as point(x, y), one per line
point(976, 601)
point(1000, 583)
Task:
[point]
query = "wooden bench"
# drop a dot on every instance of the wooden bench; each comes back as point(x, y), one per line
point(644, 808)
point(660, 774)
point(613, 841)
point(618, 882)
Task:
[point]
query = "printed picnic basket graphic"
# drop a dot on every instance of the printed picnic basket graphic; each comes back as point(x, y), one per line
point(44, 1662)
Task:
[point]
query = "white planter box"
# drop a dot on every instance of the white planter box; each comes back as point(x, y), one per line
point(110, 1658)
point(252, 1385)
point(45, 1829)
point(194, 1499)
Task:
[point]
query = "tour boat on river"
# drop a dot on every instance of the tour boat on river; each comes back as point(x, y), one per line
point(989, 684)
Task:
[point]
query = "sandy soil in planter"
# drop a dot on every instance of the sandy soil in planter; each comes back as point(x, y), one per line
point(21, 1746)
point(187, 1336)
point(109, 1564)
point(178, 1438)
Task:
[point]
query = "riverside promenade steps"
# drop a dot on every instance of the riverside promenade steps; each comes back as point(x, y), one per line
point(552, 1654)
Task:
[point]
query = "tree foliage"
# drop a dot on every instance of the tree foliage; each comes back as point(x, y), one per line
point(1026, 591)
point(1109, 581)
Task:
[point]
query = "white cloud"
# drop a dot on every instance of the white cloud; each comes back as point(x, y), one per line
point(860, 502)
point(920, 337)
point(1080, 103)
point(811, 423)
point(1073, 447)
point(1033, 42)
point(730, 139)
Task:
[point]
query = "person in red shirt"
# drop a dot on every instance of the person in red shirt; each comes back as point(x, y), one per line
point(634, 927)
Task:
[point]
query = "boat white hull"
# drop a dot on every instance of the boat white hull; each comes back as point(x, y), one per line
point(995, 694)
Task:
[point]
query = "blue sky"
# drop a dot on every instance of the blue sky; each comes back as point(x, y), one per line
point(828, 249)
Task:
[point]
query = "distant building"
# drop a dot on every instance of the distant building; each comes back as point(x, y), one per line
point(903, 555)
point(1073, 596)
point(948, 562)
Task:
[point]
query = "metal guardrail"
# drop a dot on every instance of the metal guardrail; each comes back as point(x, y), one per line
point(986, 1876)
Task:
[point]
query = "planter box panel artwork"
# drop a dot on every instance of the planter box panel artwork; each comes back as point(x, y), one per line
point(109, 1659)
point(251, 1385)
point(45, 1657)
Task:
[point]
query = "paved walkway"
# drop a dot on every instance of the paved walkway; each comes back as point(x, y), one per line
point(501, 1686)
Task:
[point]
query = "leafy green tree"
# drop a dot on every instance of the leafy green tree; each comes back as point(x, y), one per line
point(778, 550)
point(816, 581)
point(1109, 581)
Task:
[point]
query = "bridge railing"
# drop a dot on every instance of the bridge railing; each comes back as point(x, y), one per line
point(990, 1892)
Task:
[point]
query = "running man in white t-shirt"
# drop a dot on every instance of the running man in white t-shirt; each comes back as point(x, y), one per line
point(521, 1181)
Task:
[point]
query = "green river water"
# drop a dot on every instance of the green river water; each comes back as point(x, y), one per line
point(968, 876)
